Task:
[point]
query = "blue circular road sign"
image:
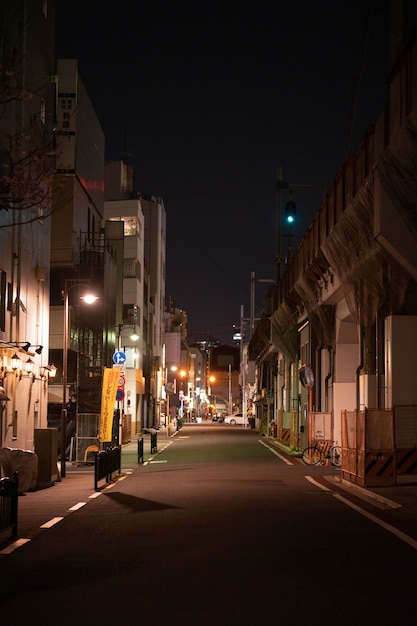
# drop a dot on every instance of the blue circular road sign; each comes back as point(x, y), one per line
point(119, 357)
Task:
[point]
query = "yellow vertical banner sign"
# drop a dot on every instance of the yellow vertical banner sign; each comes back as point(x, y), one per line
point(108, 399)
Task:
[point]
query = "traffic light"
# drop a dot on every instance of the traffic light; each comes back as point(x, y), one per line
point(290, 212)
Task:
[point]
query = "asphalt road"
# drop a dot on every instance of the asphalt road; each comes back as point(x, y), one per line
point(217, 529)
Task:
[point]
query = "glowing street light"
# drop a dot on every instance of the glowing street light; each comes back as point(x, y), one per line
point(182, 374)
point(88, 298)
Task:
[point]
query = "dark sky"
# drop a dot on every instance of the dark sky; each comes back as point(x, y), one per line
point(207, 101)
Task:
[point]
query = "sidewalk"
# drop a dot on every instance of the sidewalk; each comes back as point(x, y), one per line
point(39, 509)
point(402, 495)
point(130, 453)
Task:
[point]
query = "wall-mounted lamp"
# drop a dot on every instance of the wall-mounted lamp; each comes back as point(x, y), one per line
point(15, 361)
point(47, 371)
point(26, 369)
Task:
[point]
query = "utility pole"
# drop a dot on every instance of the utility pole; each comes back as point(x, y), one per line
point(230, 391)
point(278, 259)
point(243, 361)
point(253, 281)
point(290, 211)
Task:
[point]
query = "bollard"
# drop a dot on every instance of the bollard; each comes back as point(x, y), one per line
point(154, 447)
point(140, 450)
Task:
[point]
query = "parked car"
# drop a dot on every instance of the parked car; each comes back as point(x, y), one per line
point(236, 419)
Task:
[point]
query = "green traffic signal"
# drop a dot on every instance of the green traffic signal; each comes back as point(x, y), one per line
point(290, 212)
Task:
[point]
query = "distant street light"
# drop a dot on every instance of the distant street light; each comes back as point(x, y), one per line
point(182, 374)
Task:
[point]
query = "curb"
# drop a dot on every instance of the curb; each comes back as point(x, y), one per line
point(362, 491)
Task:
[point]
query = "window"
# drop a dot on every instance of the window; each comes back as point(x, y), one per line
point(131, 314)
point(129, 270)
point(130, 226)
point(132, 269)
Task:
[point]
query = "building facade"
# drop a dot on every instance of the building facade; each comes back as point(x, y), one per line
point(154, 315)
point(82, 338)
point(334, 348)
point(27, 154)
point(122, 209)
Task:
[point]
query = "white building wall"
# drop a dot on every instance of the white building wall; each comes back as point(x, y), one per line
point(130, 212)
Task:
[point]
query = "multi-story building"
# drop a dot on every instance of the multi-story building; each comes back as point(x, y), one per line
point(55, 243)
point(27, 153)
point(123, 208)
point(141, 289)
point(175, 333)
point(82, 338)
point(155, 264)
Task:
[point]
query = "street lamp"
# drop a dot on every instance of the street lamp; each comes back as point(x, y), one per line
point(133, 336)
point(88, 298)
point(129, 364)
point(182, 374)
point(211, 380)
point(169, 389)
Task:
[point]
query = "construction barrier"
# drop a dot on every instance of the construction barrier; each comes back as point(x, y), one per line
point(380, 446)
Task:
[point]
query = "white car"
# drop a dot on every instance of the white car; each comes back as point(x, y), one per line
point(236, 419)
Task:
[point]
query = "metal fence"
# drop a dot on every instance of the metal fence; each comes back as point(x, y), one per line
point(87, 431)
point(379, 447)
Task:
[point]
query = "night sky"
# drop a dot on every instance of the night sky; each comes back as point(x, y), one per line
point(205, 102)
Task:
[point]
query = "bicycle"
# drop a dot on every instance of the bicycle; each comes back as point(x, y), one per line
point(321, 451)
